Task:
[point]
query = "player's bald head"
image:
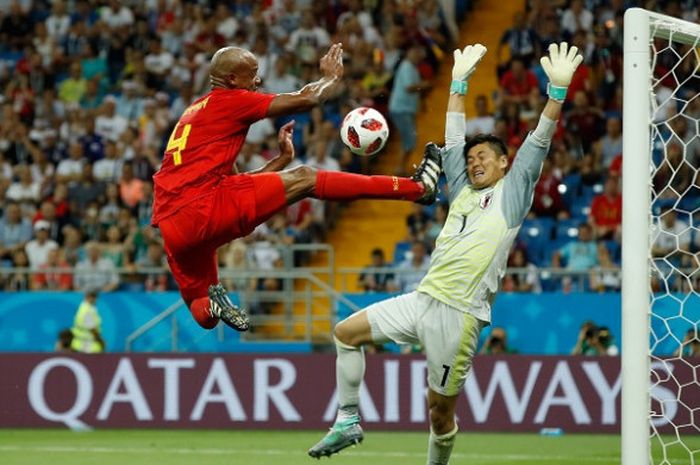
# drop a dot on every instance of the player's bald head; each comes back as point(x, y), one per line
point(234, 68)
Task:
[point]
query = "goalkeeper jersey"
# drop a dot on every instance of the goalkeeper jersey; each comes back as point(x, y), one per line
point(472, 249)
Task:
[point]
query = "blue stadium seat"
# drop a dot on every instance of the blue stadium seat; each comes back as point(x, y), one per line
point(567, 229)
point(580, 208)
point(400, 250)
point(614, 250)
point(570, 188)
point(535, 234)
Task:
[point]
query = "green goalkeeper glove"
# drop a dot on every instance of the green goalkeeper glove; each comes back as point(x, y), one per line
point(559, 67)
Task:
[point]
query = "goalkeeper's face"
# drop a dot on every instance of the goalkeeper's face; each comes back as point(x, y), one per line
point(485, 167)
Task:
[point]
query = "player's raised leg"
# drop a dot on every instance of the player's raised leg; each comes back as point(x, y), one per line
point(305, 181)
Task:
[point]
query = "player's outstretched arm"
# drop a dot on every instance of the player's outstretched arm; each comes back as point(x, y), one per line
point(312, 94)
point(453, 163)
point(559, 66)
point(465, 62)
point(286, 155)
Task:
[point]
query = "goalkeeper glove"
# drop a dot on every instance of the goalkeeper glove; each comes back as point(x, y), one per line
point(465, 64)
point(559, 67)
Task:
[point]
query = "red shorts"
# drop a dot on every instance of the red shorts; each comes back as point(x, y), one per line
point(233, 209)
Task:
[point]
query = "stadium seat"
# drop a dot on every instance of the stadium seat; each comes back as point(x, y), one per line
point(400, 251)
point(566, 229)
point(570, 188)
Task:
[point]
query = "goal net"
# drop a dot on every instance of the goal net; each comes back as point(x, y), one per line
point(661, 195)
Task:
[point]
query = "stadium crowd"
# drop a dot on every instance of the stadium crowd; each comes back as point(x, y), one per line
point(575, 222)
point(90, 91)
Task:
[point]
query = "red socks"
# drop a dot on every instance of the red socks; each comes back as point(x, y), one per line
point(200, 311)
point(337, 185)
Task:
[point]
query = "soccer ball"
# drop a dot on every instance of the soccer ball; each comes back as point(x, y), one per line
point(364, 131)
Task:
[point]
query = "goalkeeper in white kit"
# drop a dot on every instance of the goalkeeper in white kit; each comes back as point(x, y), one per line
point(452, 304)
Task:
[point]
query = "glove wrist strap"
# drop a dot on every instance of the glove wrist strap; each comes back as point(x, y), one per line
point(556, 93)
point(458, 87)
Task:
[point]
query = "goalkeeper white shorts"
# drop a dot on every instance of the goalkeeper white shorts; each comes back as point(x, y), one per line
point(448, 336)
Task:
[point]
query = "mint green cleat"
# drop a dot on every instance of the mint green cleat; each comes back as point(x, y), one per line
point(343, 434)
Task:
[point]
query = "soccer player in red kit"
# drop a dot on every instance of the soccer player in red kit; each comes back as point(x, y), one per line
point(201, 202)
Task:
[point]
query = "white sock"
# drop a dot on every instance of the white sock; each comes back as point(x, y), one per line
point(440, 447)
point(349, 371)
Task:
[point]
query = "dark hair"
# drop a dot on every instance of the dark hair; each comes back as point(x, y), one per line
point(496, 144)
point(377, 251)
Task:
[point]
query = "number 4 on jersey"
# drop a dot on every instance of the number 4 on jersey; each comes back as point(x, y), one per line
point(176, 144)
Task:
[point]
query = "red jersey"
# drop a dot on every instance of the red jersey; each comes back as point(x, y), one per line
point(606, 211)
point(204, 146)
point(513, 86)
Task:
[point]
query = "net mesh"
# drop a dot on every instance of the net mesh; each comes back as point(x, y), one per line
point(674, 244)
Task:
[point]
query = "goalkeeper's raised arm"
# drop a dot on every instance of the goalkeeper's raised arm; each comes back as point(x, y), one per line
point(559, 67)
point(454, 163)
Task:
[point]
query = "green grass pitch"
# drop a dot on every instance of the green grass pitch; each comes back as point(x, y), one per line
point(204, 447)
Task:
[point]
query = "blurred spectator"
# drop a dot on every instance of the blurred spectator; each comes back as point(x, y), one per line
point(497, 343)
point(114, 249)
point(70, 170)
point(109, 168)
point(610, 145)
point(318, 157)
point(377, 281)
point(527, 280)
point(547, 200)
point(417, 221)
point(576, 17)
point(95, 271)
point(306, 41)
point(85, 191)
point(670, 234)
point(579, 255)
point(593, 340)
point(38, 248)
point(154, 280)
point(404, 100)
point(249, 159)
point(585, 333)
point(410, 272)
point(86, 330)
point(233, 258)
point(108, 124)
point(436, 224)
point(519, 85)
point(584, 121)
point(64, 340)
point(26, 190)
point(690, 347)
point(521, 39)
point(59, 278)
point(18, 280)
point(606, 211)
point(483, 122)
point(131, 189)
point(15, 231)
point(73, 89)
point(603, 277)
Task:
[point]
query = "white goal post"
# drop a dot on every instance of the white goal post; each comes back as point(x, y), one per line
point(640, 109)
